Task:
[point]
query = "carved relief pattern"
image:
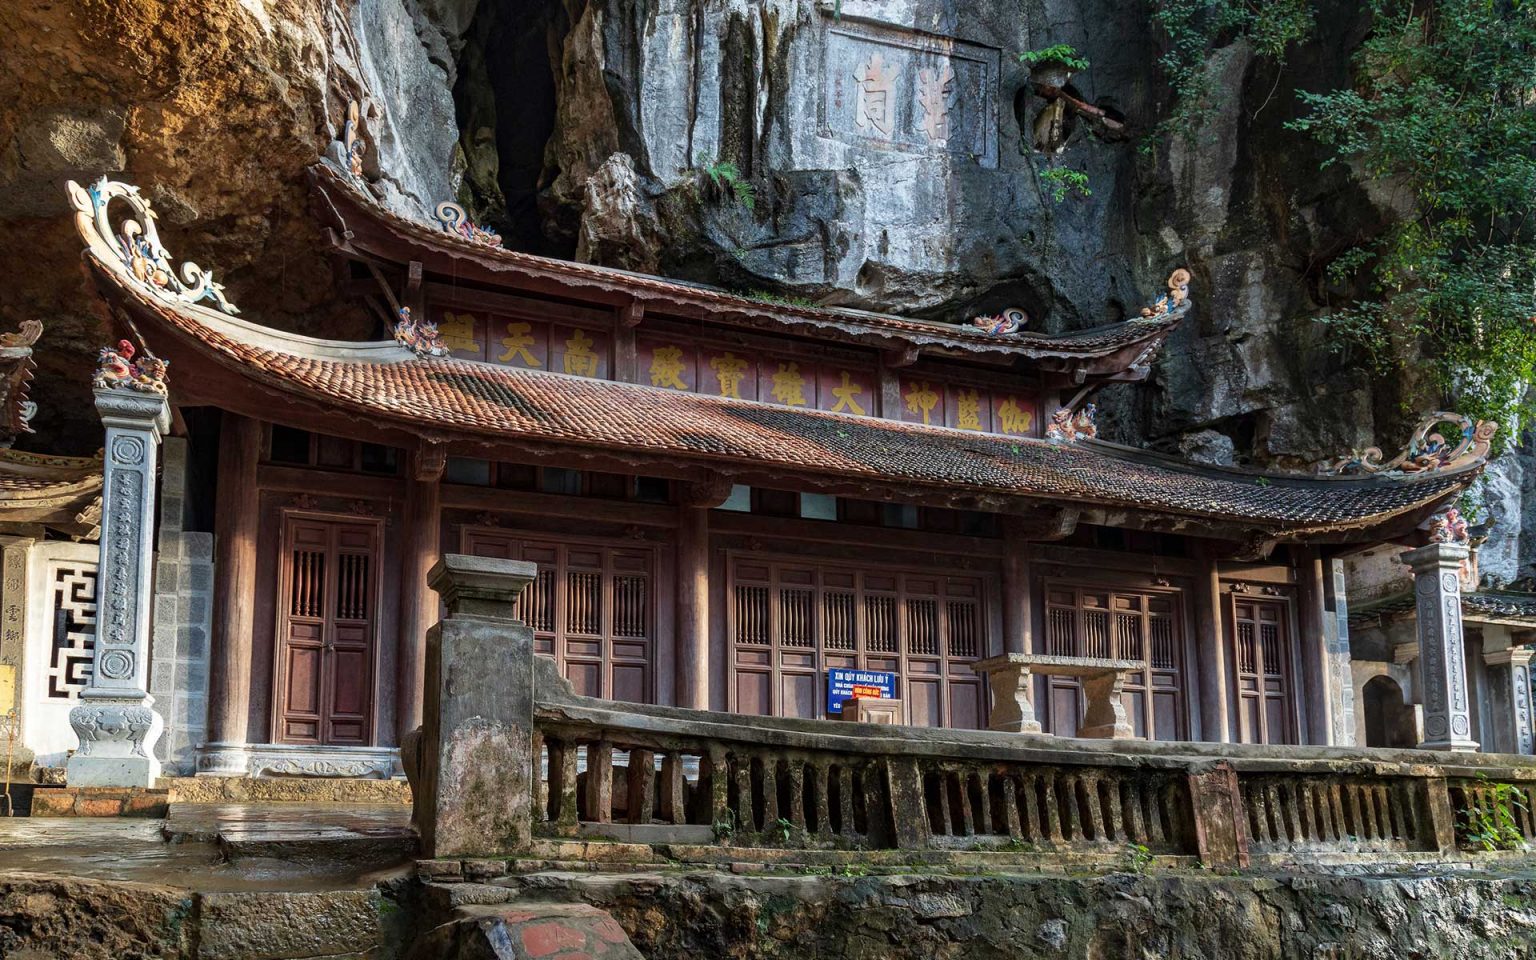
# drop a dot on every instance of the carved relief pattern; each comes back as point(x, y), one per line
point(113, 723)
point(125, 507)
point(896, 89)
point(72, 605)
point(1522, 683)
point(1432, 659)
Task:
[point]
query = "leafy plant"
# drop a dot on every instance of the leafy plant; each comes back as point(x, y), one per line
point(1062, 181)
point(726, 177)
point(1062, 53)
point(1195, 27)
point(1441, 115)
point(724, 829)
point(765, 296)
point(784, 829)
point(1489, 821)
point(1138, 858)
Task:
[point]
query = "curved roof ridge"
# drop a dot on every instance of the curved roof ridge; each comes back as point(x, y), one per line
point(1098, 340)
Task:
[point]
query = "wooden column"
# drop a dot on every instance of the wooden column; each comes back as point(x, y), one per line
point(1016, 599)
point(419, 550)
point(693, 664)
point(1318, 692)
point(1215, 666)
point(234, 598)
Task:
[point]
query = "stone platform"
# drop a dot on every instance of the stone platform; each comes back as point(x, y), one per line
point(100, 802)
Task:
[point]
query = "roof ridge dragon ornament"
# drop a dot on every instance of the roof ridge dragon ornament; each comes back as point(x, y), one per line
point(454, 219)
point(135, 244)
point(1428, 450)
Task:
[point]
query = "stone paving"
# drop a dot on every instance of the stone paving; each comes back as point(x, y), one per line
point(220, 846)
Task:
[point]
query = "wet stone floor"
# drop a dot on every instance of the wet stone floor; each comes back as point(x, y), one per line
point(220, 847)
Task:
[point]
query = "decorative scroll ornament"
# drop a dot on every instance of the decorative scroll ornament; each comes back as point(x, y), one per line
point(454, 219)
point(1174, 302)
point(1009, 321)
point(24, 337)
point(117, 370)
point(136, 244)
point(419, 336)
point(1449, 526)
point(1428, 450)
point(1069, 427)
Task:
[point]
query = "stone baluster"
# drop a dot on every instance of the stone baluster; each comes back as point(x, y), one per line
point(116, 720)
point(1442, 654)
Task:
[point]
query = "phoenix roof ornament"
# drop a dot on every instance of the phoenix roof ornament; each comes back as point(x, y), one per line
point(1428, 449)
point(135, 244)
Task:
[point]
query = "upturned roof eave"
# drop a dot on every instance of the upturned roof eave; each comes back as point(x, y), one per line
point(408, 240)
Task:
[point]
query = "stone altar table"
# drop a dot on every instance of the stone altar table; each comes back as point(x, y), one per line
point(1011, 678)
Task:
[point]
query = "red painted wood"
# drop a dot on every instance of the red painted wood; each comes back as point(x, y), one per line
point(592, 607)
point(327, 629)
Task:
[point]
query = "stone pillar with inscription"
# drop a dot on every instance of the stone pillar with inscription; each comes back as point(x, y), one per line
point(1442, 652)
point(1509, 694)
point(116, 721)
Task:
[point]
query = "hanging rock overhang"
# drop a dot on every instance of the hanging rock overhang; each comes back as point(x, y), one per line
point(364, 230)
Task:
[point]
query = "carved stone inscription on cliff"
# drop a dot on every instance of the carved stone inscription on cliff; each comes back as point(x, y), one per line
point(910, 92)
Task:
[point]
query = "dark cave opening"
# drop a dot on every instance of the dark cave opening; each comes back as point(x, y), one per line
point(505, 98)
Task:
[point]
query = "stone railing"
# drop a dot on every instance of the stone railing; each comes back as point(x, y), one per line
point(509, 755)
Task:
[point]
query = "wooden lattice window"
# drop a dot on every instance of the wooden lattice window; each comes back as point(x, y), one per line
point(1114, 623)
point(789, 622)
point(592, 608)
point(1261, 636)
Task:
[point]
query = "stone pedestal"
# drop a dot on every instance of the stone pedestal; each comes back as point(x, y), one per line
point(1442, 652)
point(1509, 689)
point(472, 767)
point(1011, 679)
point(115, 720)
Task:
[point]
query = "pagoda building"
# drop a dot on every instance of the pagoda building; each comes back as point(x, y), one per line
point(728, 501)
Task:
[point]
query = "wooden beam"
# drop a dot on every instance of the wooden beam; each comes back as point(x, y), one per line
point(236, 527)
point(632, 313)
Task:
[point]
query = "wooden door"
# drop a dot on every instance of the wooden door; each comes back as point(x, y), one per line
point(326, 632)
point(1261, 632)
point(1083, 621)
point(592, 608)
point(790, 621)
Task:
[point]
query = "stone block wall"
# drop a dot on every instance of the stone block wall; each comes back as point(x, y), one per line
point(182, 619)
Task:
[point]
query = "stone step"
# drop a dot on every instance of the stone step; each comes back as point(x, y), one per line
point(285, 790)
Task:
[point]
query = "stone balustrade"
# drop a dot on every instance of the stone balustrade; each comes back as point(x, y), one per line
point(576, 767)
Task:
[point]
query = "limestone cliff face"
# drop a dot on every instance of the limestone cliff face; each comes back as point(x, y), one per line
point(896, 154)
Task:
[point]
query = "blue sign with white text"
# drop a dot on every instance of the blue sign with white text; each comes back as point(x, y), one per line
point(868, 684)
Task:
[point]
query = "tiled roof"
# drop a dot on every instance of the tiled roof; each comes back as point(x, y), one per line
point(63, 493)
point(478, 400)
point(1095, 343)
point(1483, 605)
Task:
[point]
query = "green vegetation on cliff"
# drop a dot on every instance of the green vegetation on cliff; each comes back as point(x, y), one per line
point(1439, 125)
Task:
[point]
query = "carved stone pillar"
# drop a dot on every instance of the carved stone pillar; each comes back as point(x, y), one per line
point(1509, 683)
point(1442, 653)
point(115, 721)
